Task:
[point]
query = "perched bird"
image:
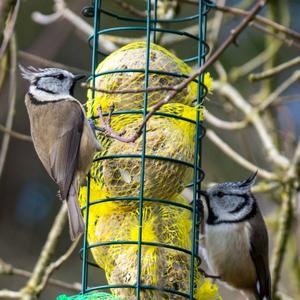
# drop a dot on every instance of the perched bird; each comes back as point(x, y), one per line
point(62, 136)
point(236, 238)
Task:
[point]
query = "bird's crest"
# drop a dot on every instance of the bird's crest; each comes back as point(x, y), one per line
point(30, 72)
point(249, 181)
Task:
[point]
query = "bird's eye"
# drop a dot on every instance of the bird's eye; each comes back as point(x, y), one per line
point(220, 194)
point(60, 76)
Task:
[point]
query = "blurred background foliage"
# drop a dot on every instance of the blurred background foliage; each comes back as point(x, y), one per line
point(28, 196)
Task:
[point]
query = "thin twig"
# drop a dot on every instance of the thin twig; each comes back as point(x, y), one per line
point(212, 136)
point(216, 122)
point(280, 12)
point(8, 269)
point(9, 30)
point(281, 88)
point(215, 26)
point(108, 131)
point(130, 8)
point(289, 42)
point(253, 116)
point(254, 62)
point(17, 135)
point(222, 73)
point(286, 99)
point(50, 63)
point(62, 11)
point(262, 20)
point(30, 290)
point(55, 265)
point(12, 102)
point(7, 294)
point(234, 33)
point(276, 70)
point(129, 91)
point(282, 237)
point(259, 19)
point(292, 172)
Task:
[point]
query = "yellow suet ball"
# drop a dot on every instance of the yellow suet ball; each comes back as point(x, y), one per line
point(166, 137)
point(161, 267)
point(133, 57)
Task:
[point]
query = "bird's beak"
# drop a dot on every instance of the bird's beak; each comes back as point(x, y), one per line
point(75, 79)
point(78, 77)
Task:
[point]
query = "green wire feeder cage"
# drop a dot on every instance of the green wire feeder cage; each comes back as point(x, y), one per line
point(139, 228)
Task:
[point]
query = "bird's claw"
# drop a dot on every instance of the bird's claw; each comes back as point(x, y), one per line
point(101, 129)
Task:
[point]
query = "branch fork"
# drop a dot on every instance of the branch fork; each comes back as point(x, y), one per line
point(106, 128)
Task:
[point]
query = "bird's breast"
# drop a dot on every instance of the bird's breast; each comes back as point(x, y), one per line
point(228, 253)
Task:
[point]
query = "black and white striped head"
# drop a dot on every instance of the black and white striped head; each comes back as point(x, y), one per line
point(231, 202)
point(49, 84)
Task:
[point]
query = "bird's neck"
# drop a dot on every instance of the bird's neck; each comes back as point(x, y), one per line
point(45, 96)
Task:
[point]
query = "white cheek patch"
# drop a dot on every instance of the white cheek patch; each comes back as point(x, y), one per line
point(44, 96)
point(227, 216)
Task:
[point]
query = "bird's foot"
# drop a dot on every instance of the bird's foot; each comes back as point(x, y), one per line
point(59, 195)
point(214, 277)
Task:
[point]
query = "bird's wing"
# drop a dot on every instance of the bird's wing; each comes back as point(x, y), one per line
point(259, 253)
point(64, 152)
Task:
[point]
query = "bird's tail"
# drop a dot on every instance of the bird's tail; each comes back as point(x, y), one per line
point(76, 224)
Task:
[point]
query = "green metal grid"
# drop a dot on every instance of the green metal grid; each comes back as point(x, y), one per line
point(149, 27)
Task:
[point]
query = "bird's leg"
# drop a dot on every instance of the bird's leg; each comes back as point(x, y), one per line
point(93, 126)
point(199, 204)
point(215, 277)
point(59, 195)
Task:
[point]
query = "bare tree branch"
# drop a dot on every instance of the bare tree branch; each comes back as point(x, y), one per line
point(177, 88)
point(55, 265)
point(49, 63)
point(130, 8)
point(233, 125)
point(47, 252)
point(237, 157)
point(8, 269)
point(259, 19)
point(289, 42)
point(8, 25)
point(17, 135)
point(12, 101)
point(281, 88)
point(254, 63)
point(276, 70)
point(7, 294)
point(252, 115)
point(150, 89)
point(62, 11)
point(282, 237)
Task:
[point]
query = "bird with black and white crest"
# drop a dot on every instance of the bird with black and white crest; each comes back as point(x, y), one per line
point(61, 133)
point(236, 238)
